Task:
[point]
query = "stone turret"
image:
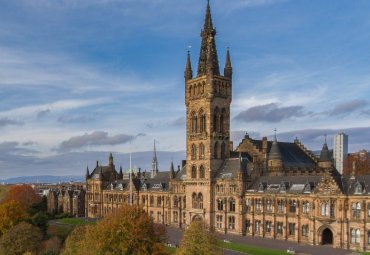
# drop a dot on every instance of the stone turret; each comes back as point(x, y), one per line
point(275, 160)
point(325, 159)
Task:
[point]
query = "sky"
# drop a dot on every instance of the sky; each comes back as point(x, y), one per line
point(105, 76)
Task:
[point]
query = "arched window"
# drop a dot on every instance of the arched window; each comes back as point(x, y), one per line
point(215, 150)
point(201, 172)
point(201, 151)
point(202, 121)
point(193, 152)
point(200, 200)
point(194, 200)
point(194, 122)
point(222, 188)
point(215, 120)
point(232, 205)
point(355, 235)
point(223, 150)
point(220, 204)
point(193, 172)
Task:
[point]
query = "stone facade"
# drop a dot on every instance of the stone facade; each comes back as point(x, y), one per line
point(69, 200)
point(271, 189)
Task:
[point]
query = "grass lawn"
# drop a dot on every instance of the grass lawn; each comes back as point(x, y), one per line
point(250, 249)
point(74, 221)
point(171, 250)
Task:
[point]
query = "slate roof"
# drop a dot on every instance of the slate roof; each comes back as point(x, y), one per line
point(231, 167)
point(291, 154)
point(284, 184)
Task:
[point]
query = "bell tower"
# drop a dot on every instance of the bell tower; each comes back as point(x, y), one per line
point(207, 98)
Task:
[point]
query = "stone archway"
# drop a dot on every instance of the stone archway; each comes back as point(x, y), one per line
point(327, 237)
point(197, 218)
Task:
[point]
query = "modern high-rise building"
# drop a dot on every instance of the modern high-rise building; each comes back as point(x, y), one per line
point(340, 151)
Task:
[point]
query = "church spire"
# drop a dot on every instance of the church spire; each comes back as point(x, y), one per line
point(208, 37)
point(110, 159)
point(228, 70)
point(188, 74)
point(172, 171)
point(154, 162)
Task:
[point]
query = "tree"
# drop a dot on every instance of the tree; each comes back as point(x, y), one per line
point(25, 195)
point(20, 239)
point(128, 231)
point(197, 240)
point(11, 214)
point(40, 220)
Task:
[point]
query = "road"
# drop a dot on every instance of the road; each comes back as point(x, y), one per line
point(175, 234)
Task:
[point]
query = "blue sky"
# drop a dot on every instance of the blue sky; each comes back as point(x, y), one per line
point(107, 75)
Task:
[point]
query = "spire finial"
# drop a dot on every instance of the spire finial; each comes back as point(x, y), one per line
point(275, 134)
point(325, 137)
point(208, 32)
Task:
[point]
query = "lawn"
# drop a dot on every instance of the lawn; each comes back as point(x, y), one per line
point(250, 249)
point(74, 221)
point(171, 250)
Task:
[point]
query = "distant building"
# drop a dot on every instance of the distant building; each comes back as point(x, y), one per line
point(340, 151)
point(70, 200)
point(357, 163)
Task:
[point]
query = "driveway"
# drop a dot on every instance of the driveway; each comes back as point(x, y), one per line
point(175, 234)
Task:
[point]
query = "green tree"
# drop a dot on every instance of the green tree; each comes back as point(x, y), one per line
point(128, 231)
point(11, 214)
point(40, 220)
point(197, 240)
point(20, 239)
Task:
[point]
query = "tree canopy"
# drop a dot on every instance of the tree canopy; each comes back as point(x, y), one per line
point(20, 239)
point(25, 195)
point(128, 231)
point(197, 240)
point(11, 214)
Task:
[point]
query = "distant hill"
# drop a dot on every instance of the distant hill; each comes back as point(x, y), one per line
point(43, 179)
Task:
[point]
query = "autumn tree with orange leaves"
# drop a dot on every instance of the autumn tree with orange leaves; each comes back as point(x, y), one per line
point(128, 231)
point(24, 195)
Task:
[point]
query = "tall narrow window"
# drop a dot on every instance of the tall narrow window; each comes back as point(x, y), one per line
point(202, 121)
point(232, 205)
point(194, 122)
point(201, 151)
point(193, 152)
point(194, 200)
point(193, 172)
point(200, 200)
point(201, 172)
point(222, 121)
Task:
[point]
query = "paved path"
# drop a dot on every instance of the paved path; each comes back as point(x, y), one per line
point(175, 234)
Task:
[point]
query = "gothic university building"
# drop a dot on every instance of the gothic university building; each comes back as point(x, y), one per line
point(270, 189)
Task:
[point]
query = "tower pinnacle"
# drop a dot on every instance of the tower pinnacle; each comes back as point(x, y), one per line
point(228, 70)
point(154, 162)
point(188, 74)
point(208, 36)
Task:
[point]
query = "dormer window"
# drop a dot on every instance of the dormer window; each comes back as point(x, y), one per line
point(358, 188)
